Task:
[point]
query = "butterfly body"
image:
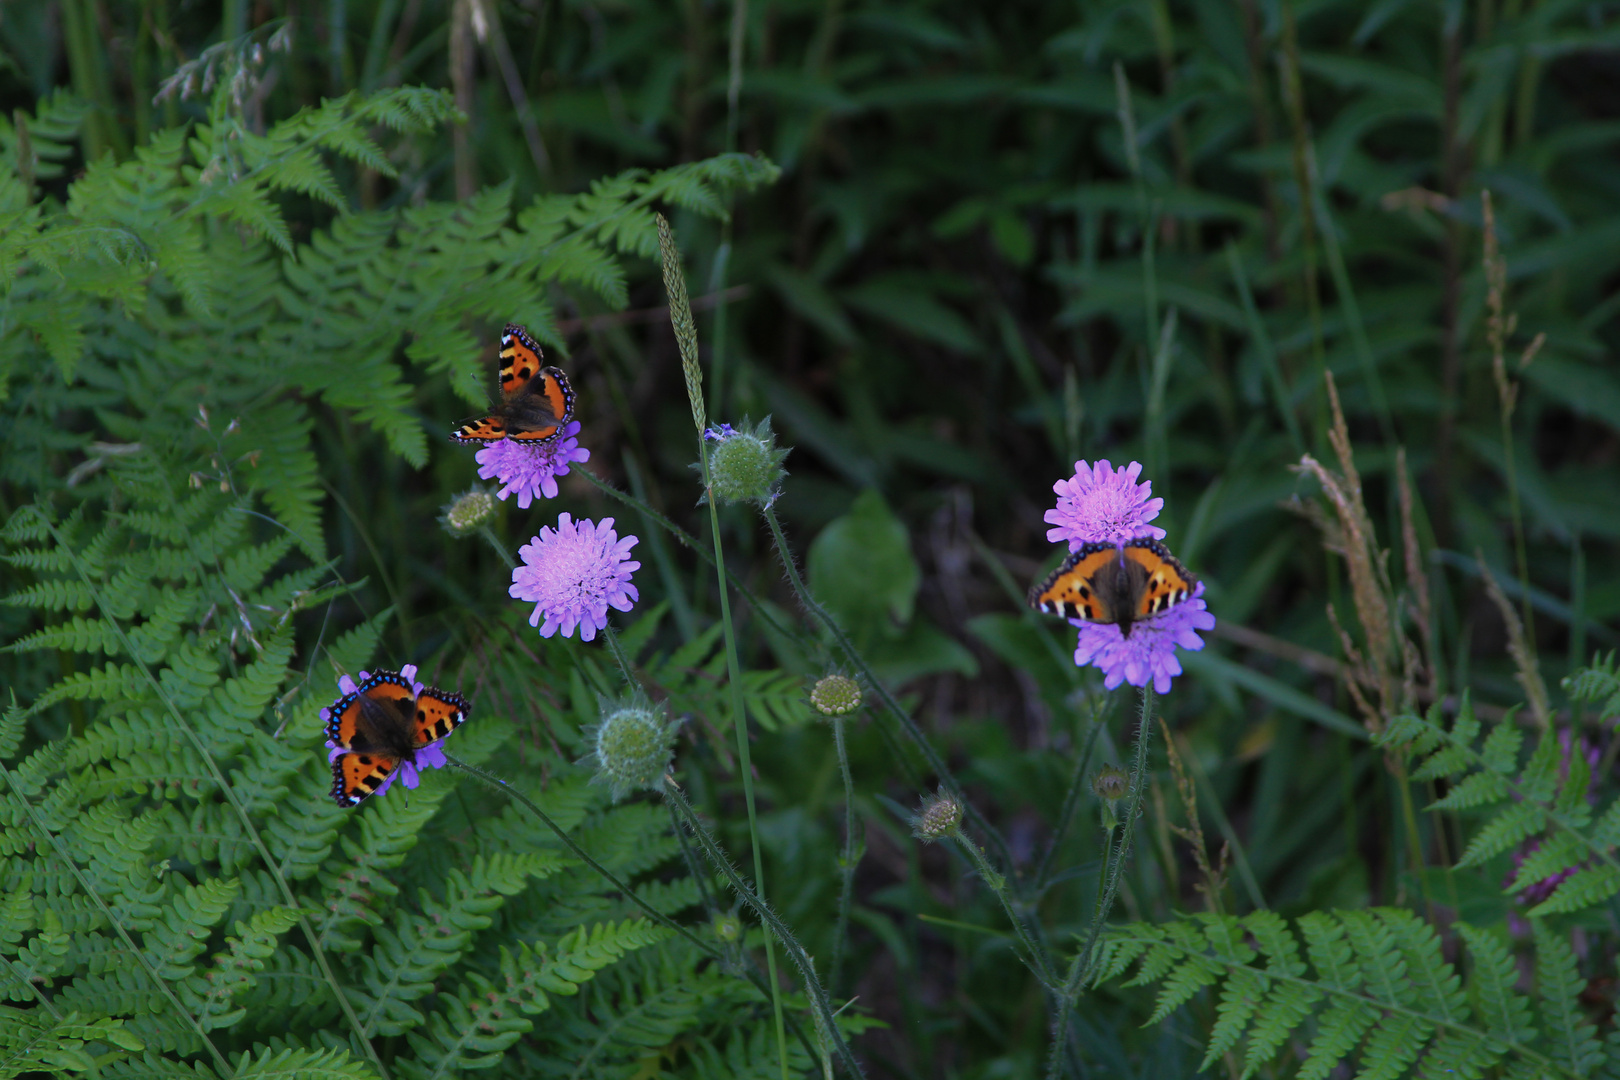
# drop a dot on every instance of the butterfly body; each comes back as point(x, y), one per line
point(381, 725)
point(1102, 583)
point(536, 401)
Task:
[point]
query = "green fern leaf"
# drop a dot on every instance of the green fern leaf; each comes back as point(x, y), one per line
point(1517, 823)
point(1492, 986)
point(234, 971)
point(1585, 888)
point(295, 1064)
point(182, 933)
point(1559, 985)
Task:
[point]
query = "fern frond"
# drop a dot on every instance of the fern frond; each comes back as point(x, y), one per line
point(291, 1063)
point(234, 971)
point(32, 1042)
point(1599, 683)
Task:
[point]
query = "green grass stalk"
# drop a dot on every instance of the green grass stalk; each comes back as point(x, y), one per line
point(847, 862)
point(680, 311)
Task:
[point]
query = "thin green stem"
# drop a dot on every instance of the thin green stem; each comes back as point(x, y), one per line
point(680, 313)
point(1117, 851)
point(688, 540)
point(500, 549)
point(935, 762)
point(617, 650)
point(778, 929)
point(846, 863)
point(1037, 959)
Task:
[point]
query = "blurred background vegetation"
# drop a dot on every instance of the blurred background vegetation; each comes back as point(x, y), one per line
point(1005, 237)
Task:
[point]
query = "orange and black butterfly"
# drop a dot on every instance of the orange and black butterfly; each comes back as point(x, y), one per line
point(1103, 583)
point(380, 725)
point(536, 401)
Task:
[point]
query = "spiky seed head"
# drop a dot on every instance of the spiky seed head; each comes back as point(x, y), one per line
point(745, 464)
point(939, 817)
point(1110, 784)
point(468, 512)
point(835, 695)
point(634, 744)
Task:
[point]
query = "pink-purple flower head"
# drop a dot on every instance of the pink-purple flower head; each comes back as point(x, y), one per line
point(1149, 653)
point(573, 574)
point(528, 469)
point(1103, 504)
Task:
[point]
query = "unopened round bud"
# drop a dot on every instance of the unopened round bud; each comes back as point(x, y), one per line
point(744, 464)
point(468, 512)
point(835, 695)
point(1110, 783)
point(634, 746)
point(727, 927)
point(939, 816)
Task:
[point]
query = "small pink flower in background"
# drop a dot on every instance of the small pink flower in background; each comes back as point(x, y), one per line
point(1101, 503)
point(526, 469)
point(573, 574)
point(1150, 652)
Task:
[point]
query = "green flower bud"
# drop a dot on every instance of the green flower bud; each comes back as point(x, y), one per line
point(727, 927)
point(634, 744)
point(1111, 783)
point(940, 816)
point(835, 695)
point(468, 512)
point(744, 464)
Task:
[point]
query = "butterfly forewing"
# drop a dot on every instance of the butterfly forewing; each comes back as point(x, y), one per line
point(438, 713)
point(1068, 591)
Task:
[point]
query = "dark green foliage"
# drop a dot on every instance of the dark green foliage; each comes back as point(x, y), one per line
point(1547, 796)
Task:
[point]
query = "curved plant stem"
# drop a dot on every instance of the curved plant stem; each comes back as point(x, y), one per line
point(1117, 851)
point(1071, 799)
point(1037, 960)
point(853, 656)
point(847, 863)
point(689, 541)
point(778, 929)
point(618, 654)
point(500, 549)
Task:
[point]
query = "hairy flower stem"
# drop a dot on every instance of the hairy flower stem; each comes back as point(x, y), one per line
point(778, 929)
point(1116, 852)
point(618, 654)
point(822, 615)
point(680, 314)
point(691, 542)
point(1037, 961)
point(500, 549)
point(847, 863)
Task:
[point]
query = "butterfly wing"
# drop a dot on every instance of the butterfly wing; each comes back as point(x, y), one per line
point(1168, 582)
point(520, 359)
point(386, 687)
point(541, 409)
point(488, 430)
point(438, 713)
point(356, 776)
point(1068, 591)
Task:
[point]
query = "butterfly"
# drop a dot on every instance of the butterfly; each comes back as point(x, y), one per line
point(536, 402)
point(382, 725)
point(1103, 583)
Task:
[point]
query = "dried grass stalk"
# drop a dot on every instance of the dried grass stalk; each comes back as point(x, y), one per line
point(1527, 671)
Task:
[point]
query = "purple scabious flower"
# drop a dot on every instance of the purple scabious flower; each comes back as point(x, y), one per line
point(573, 574)
point(1150, 652)
point(718, 434)
point(527, 469)
point(1103, 504)
point(408, 773)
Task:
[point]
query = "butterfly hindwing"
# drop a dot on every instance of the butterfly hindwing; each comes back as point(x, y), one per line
point(1068, 590)
point(438, 713)
point(490, 429)
point(355, 776)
